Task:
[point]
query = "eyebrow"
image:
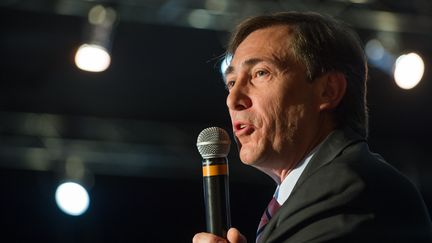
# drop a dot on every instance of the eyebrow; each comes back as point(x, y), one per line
point(249, 62)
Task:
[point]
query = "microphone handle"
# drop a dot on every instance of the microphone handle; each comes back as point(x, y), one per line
point(216, 196)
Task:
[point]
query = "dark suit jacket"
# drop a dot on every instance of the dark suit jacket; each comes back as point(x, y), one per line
point(348, 194)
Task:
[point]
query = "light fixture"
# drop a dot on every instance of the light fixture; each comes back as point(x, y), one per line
point(408, 71)
point(92, 58)
point(71, 195)
point(72, 198)
point(94, 54)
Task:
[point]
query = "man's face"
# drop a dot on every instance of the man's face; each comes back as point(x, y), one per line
point(273, 107)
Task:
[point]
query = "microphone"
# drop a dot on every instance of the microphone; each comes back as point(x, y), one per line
point(214, 144)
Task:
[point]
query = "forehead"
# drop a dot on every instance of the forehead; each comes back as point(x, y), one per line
point(279, 35)
point(268, 44)
point(274, 41)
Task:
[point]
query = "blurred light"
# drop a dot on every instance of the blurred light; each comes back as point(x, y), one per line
point(74, 167)
point(409, 70)
point(99, 15)
point(72, 198)
point(216, 5)
point(359, 1)
point(199, 18)
point(379, 56)
point(390, 40)
point(374, 49)
point(225, 63)
point(387, 21)
point(41, 125)
point(38, 159)
point(92, 58)
point(93, 55)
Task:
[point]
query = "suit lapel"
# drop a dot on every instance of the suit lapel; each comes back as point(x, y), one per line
point(333, 145)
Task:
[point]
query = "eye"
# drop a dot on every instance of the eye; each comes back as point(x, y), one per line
point(261, 73)
point(229, 84)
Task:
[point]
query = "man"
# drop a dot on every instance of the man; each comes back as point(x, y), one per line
point(297, 88)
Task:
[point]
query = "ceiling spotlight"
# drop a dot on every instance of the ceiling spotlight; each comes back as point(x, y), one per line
point(94, 54)
point(409, 69)
point(92, 58)
point(72, 198)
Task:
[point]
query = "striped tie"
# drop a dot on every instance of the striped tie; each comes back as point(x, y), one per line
point(271, 209)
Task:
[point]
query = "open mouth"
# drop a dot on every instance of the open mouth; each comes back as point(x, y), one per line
point(241, 128)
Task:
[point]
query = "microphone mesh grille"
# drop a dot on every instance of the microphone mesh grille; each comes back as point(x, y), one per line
point(213, 142)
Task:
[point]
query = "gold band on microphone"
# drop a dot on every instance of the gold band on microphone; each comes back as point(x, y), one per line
point(214, 170)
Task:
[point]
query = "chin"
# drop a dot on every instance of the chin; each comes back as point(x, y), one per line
point(246, 157)
point(250, 157)
point(246, 161)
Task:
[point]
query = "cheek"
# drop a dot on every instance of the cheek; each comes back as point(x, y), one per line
point(289, 123)
point(295, 115)
point(271, 118)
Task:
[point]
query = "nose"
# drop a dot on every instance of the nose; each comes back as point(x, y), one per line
point(239, 98)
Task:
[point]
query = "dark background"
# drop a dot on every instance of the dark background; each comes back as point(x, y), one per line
point(134, 126)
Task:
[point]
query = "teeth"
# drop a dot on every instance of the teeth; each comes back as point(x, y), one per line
point(242, 126)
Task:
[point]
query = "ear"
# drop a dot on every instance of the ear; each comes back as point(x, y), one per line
point(333, 88)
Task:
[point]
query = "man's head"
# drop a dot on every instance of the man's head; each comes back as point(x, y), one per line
point(282, 65)
point(322, 45)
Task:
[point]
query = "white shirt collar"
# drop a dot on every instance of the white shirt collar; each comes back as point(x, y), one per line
point(283, 191)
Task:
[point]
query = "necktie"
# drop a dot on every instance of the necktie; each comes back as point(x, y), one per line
point(271, 209)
